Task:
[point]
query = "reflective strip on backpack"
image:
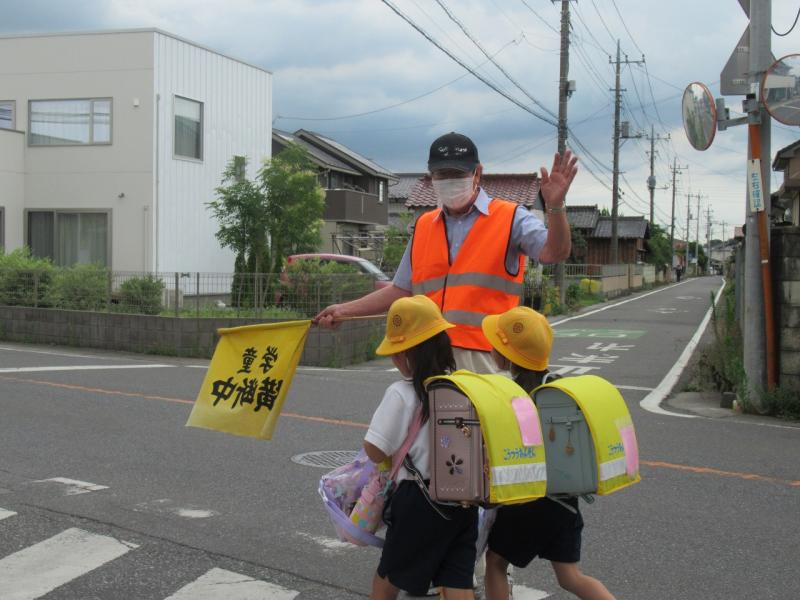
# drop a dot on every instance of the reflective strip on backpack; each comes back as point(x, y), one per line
point(612, 468)
point(527, 473)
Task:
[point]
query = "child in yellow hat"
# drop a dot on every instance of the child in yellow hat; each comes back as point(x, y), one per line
point(425, 543)
point(521, 340)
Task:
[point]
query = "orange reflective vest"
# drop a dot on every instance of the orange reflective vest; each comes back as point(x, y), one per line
point(477, 283)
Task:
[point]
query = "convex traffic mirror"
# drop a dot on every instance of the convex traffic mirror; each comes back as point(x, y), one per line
point(699, 115)
point(780, 90)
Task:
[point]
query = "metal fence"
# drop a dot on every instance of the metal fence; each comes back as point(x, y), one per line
point(261, 295)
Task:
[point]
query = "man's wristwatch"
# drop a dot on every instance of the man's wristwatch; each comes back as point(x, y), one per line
point(556, 209)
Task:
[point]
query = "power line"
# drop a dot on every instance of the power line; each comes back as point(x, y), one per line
point(626, 27)
point(611, 35)
point(477, 75)
point(396, 104)
point(790, 28)
point(599, 46)
point(466, 31)
point(543, 20)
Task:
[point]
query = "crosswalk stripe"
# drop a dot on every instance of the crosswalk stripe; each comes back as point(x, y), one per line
point(4, 514)
point(236, 587)
point(41, 568)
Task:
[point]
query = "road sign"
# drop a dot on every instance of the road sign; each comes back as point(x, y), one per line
point(734, 76)
point(755, 189)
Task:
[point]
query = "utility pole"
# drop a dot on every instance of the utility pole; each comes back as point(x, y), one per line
point(675, 170)
point(754, 326)
point(615, 181)
point(688, 223)
point(651, 181)
point(697, 241)
point(563, 96)
point(708, 236)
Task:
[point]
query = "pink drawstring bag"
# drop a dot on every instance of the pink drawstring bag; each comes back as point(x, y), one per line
point(354, 494)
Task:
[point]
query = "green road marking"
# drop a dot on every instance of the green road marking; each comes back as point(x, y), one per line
point(617, 334)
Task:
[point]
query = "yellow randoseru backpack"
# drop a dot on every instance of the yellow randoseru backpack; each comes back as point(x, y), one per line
point(490, 444)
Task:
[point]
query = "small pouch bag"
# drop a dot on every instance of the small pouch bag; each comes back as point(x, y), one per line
point(354, 494)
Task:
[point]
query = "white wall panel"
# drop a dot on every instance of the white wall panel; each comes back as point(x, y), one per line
point(237, 114)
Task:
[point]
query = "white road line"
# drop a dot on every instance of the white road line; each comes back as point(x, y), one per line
point(652, 401)
point(594, 312)
point(74, 486)
point(80, 368)
point(525, 593)
point(53, 353)
point(4, 514)
point(41, 568)
point(635, 388)
point(219, 583)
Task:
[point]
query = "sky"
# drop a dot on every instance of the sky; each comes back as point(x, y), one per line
point(356, 71)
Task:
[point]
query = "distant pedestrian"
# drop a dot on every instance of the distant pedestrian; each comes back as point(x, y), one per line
point(521, 341)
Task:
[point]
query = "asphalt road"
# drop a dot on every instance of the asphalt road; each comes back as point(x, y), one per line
point(163, 507)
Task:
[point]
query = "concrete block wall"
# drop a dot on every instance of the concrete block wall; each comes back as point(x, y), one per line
point(786, 281)
point(353, 342)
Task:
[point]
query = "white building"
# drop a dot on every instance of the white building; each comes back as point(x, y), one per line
point(112, 142)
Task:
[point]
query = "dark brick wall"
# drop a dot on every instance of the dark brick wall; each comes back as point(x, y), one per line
point(353, 342)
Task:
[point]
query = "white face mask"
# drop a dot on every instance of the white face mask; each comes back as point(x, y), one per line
point(455, 194)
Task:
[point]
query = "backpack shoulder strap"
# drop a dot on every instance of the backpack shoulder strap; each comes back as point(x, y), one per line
point(399, 456)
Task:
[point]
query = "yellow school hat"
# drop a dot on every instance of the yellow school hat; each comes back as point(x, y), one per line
point(411, 321)
point(522, 335)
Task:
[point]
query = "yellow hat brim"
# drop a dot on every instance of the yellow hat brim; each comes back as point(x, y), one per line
point(490, 327)
point(387, 347)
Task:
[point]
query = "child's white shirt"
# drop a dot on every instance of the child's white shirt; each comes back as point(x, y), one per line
point(389, 428)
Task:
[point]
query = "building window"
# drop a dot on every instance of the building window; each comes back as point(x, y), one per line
point(70, 122)
point(188, 128)
point(67, 237)
point(7, 114)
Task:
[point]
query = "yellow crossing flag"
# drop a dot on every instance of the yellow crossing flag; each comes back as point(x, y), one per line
point(248, 378)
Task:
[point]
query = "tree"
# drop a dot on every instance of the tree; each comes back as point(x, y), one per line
point(659, 252)
point(294, 205)
point(265, 220)
point(243, 226)
point(396, 241)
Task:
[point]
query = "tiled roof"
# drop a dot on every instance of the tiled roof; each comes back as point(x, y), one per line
point(583, 217)
point(358, 161)
point(522, 188)
point(627, 227)
point(402, 189)
point(318, 155)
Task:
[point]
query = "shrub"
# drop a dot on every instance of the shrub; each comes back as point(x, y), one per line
point(142, 294)
point(80, 287)
point(24, 280)
point(310, 285)
point(572, 296)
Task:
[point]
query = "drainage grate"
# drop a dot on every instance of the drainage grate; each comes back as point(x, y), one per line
point(328, 459)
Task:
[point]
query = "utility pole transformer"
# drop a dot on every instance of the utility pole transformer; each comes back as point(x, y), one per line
point(563, 96)
point(615, 176)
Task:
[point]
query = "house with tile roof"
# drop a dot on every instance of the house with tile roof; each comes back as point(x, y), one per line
point(356, 193)
point(522, 188)
point(595, 229)
point(399, 193)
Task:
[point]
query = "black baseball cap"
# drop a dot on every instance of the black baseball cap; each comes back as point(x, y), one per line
point(453, 151)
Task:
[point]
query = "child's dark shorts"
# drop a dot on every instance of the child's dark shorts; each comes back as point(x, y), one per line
point(422, 548)
point(542, 528)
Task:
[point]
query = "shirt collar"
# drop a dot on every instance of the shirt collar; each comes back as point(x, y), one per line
point(481, 204)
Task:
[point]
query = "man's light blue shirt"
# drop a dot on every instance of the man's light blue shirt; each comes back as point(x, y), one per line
point(528, 235)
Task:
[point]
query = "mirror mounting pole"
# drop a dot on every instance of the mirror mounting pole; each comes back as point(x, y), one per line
point(724, 116)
